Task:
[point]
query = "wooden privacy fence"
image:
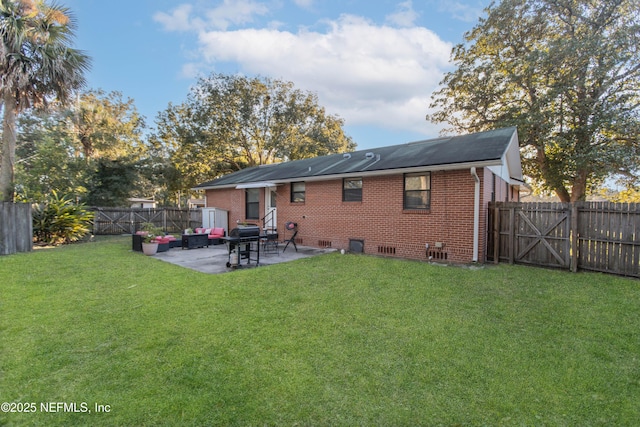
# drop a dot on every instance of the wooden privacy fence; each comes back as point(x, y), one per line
point(596, 236)
point(16, 228)
point(130, 220)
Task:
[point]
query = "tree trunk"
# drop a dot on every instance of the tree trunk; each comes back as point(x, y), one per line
point(8, 148)
point(563, 195)
point(579, 188)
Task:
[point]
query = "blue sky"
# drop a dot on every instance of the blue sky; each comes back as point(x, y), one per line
point(374, 63)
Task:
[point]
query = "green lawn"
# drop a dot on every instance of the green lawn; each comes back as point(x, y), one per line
point(330, 340)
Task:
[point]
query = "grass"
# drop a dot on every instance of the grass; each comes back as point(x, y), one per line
point(330, 340)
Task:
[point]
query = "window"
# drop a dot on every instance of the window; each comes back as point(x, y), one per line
point(417, 190)
point(297, 192)
point(352, 190)
point(252, 203)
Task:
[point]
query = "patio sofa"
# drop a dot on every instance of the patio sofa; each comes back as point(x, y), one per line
point(164, 242)
point(215, 234)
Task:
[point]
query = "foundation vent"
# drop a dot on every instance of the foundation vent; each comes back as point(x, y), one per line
point(387, 250)
point(439, 255)
point(324, 243)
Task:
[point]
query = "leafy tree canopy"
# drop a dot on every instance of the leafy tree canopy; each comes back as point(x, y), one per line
point(72, 150)
point(232, 122)
point(567, 74)
point(113, 182)
point(106, 125)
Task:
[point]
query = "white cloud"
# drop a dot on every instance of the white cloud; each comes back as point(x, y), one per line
point(366, 73)
point(235, 12)
point(177, 20)
point(221, 17)
point(191, 70)
point(405, 16)
point(463, 11)
point(363, 72)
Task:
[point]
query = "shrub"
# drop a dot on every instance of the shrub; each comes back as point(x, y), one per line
point(151, 232)
point(58, 220)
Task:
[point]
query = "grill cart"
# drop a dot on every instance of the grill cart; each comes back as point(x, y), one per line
point(242, 243)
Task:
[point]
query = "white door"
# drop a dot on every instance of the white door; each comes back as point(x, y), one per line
point(270, 212)
point(214, 217)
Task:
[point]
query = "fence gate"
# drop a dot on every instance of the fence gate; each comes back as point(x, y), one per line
point(530, 233)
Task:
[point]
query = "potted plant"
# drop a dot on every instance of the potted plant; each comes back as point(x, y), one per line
point(149, 243)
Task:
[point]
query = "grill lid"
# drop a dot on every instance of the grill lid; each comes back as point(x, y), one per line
point(245, 231)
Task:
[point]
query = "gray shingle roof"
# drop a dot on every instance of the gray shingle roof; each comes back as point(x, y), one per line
point(478, 148)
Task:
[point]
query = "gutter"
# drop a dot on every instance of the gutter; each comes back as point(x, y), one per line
point(476, 214)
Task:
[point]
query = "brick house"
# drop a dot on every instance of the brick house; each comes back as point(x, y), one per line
point(422, 200)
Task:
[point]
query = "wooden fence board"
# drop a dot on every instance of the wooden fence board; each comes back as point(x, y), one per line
point(597, 236)
point(16, 228)
point(610, 240)
point(130, 220)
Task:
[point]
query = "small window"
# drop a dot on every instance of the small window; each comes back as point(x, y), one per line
point(252, 203)
point(352, 190)
point(417, 190)
point(297, 192)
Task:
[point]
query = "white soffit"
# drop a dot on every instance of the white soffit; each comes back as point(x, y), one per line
point(264, 184)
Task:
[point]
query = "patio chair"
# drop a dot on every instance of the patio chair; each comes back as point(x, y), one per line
point(293, 227)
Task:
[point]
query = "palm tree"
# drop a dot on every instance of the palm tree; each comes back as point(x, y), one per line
point(37, 67)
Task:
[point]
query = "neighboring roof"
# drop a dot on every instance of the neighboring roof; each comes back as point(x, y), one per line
point(498, 149)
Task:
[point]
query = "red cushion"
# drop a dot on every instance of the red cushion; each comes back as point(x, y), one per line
point(217, 232)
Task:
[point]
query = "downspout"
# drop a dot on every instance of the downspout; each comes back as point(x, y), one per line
point(476, 214)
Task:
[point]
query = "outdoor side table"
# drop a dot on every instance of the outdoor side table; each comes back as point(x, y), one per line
point(191, 241)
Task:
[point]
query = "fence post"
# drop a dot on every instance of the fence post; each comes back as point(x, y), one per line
point(496, 234)
point(512, 233)
point(574, 237)
point(164, 220)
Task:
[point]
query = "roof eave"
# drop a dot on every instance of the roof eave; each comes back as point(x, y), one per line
point(312, 178)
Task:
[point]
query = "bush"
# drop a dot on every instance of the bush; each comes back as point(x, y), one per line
point(151, 232)
point(58, 220)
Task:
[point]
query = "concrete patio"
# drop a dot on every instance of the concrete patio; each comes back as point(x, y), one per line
point(214, 259)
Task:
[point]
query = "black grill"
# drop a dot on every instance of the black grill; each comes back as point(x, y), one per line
point(242, 242)
point(245, 232)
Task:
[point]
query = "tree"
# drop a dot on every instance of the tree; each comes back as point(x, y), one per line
point(60, 148)
point(567, 74)
point(106, 125)
point(232, 122)
point(113, 182)
point(36, 64)
point(45, 160)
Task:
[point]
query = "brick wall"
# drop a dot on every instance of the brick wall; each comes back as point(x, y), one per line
point(324, 220)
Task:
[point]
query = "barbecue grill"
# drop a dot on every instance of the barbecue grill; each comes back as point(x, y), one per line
point(245, 231)
point(242, 242)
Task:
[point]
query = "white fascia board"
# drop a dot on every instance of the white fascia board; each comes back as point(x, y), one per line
point(510, 167)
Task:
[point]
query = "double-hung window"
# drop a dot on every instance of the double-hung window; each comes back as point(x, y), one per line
point(298, 192)
point(352, 190)
point(252, 203)
point(417, 190)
